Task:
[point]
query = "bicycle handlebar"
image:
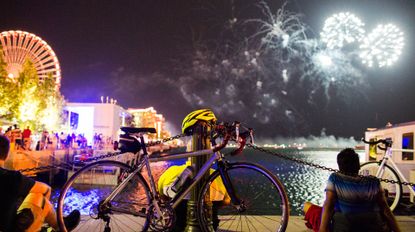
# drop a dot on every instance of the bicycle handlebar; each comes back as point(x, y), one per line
point(232, 131)
point(386, 142)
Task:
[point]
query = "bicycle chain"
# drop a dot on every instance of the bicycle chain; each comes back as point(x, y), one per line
point(322, 167)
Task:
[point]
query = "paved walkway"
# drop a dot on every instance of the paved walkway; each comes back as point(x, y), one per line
point(296, 224)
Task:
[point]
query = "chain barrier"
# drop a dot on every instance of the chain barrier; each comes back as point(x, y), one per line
point(68, 166)
point(149, 144)
point(300, 161)
point(64, 166)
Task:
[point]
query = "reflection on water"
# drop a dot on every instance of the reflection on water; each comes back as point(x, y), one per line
point(302, 183)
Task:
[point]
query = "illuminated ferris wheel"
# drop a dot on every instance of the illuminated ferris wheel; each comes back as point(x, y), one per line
point(17, 46)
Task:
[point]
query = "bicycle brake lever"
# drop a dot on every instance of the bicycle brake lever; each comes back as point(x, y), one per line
point(382, 148)
point(237, 124)
point(242, 142)
point(251, 135)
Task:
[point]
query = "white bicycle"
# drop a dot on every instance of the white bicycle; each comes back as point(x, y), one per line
point(388, 171)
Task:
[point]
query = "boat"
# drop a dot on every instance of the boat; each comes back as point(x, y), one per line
point(402, 136)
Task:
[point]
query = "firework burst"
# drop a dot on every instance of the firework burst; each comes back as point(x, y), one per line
point(340, 29)
point(382, 46)
point(282, 32)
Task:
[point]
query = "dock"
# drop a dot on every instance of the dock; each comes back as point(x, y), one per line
point(296, 224)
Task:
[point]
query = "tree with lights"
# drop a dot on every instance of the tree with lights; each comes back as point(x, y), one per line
point(29, 101)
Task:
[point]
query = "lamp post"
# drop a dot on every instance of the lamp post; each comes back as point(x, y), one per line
point(200, 141)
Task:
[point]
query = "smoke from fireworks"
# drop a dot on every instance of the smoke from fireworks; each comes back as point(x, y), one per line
point(382, 46)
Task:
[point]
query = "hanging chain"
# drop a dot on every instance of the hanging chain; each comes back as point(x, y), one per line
point(300, 161)
point(67, 166)
point(149, 144)
point(64, 166)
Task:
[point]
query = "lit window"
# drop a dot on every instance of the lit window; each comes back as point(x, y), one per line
point(408, 143)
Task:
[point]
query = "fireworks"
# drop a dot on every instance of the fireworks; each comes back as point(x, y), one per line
point(281, 62)
point(382, 46)
point(282, 31)
point(341, 29)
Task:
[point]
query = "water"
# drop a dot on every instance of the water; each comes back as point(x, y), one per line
point(302, 182)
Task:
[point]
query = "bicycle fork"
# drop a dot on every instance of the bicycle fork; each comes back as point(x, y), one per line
point(239, 205)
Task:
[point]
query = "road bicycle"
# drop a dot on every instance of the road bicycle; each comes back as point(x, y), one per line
point(114, 196)
point(388, 170)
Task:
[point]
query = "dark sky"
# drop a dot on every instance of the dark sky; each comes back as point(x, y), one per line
point(137, 52)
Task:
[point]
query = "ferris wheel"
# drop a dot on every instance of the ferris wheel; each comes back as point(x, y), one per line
point(18, 46)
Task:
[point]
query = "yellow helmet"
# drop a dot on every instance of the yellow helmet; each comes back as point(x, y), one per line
point(205, 115)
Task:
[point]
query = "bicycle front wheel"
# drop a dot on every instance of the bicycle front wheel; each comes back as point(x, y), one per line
point(393, 191)
point(87, 189)
point(264, 203)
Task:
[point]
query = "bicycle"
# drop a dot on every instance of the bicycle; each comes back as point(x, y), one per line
point(382, 169)
point(131, 202)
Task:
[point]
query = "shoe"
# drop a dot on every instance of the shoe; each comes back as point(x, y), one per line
point(72, 220)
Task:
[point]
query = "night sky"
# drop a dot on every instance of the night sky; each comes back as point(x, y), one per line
point(143, 54)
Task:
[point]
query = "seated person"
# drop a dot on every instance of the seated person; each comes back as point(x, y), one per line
point(36, 208)
point(352, 203)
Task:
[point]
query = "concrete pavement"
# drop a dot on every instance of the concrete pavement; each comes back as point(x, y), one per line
point(296, 224)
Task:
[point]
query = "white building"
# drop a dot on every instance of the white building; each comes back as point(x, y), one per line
point(99, 118)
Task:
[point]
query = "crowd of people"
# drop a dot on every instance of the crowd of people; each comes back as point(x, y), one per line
point(20, 139)
point(26, 140)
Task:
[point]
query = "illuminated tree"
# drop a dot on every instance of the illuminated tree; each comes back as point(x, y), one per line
point(8, 94)
point(28, 100)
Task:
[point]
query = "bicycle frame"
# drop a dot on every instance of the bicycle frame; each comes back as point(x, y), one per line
point(214, 156)
point(388, 158)
point(146, 160)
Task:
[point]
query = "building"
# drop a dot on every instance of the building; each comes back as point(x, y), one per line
point(148, 117)
point(96, 118)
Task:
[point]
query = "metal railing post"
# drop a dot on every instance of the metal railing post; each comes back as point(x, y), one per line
point(200, 141)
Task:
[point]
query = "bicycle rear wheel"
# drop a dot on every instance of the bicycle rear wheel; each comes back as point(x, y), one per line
point(393, 191)
point(264, 201)
point(87, 188)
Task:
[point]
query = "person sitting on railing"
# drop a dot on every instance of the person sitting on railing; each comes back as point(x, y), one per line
point(35, 209)
point(352, 203)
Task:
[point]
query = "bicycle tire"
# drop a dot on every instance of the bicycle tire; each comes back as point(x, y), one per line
point(393, 192)
point(87, 187)
point(262, 193)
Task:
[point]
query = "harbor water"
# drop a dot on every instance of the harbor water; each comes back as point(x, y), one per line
point(302, 182)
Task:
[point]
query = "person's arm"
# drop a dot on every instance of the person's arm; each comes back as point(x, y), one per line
point(387, 213)
point(328, 208)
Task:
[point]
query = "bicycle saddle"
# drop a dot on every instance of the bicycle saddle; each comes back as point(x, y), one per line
point(133, 130)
